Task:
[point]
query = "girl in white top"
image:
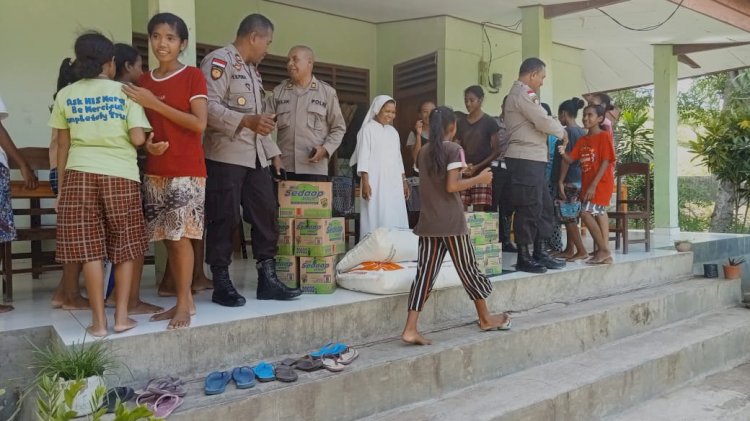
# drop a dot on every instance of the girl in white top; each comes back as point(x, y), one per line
point(379, 163)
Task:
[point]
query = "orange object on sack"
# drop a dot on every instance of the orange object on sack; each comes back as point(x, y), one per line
point(373, 266)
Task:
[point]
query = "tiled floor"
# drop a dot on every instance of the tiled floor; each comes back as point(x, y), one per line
point(32, 297)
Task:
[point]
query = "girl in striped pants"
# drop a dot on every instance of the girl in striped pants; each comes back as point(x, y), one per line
point(442, 226)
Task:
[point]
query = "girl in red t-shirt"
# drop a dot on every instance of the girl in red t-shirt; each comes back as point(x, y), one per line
point(596, 158)
point(175, 98)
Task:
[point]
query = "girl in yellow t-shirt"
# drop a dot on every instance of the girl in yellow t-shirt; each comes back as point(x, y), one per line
point(99, 203)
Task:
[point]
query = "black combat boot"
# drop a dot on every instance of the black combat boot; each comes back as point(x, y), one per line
point(224, 292)
point(269, 285)
point(508, 247)
point(543, 258)
point(526, 263)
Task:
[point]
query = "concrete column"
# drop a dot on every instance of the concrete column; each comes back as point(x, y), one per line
point(665, 139)
point(184, 9)
point(536, 41)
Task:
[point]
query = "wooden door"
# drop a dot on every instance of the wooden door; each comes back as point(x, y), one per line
point(414, 82)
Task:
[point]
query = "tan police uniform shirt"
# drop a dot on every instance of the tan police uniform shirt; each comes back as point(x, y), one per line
point(234, 90)
point(528, 125)
point(307, 117)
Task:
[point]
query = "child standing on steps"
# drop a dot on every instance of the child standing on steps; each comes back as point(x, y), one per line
point(175, 98)
point(442, 226)
point(99, 204)
point(596, 157)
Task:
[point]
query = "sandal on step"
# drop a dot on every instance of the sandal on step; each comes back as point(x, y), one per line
point(348, 356)
point(264, 372)
point(329, 350)
point(505, 326)
point(244, 377)
point(115, 395)
point(308, 364)
point(333, 364)
point(216, 382)
point(165, 405)
point(284, 373)
point(164, 385)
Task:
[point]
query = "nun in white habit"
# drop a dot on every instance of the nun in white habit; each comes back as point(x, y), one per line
point(379, 163)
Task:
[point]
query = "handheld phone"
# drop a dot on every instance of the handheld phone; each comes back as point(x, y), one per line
point(312, 153)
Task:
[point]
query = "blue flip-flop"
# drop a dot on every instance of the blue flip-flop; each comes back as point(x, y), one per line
point(244, 377)
point(216, 382)
point(329, 350)
point(264, 372)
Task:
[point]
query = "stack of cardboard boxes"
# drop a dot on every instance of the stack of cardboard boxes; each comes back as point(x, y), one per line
point(484, 232)
point(310, 240)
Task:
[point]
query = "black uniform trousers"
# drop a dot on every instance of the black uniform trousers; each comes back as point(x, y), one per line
point(230, 187)
point(293, 176)
point(501, 199)
point(531, 200)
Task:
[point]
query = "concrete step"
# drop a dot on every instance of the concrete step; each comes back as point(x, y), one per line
point(601, 381)
point(390, 374)
point(189, 352)
point(724, 396)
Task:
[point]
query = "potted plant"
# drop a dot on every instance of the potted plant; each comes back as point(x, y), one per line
point(81, 365)
point(683, 245)
point(733, 270)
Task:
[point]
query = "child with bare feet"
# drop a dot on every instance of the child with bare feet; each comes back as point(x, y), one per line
point(8, 148)
point(569, 183)
point(175, 98)
point(167, 285)
point(442, 226)
point(99, 204)
point(596, 156)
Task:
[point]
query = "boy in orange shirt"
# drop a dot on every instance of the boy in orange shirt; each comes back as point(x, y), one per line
point(596, 158)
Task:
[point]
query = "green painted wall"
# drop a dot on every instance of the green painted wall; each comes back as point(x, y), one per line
point(402, 41)
point(466, 45)
point(37, 35)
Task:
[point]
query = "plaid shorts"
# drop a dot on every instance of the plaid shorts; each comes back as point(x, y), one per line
point(7, 228)
point(481, 194)
point(174, 207)
point(593, 209)
point(99, 217)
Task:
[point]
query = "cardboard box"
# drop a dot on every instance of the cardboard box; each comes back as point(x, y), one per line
point(285, 245)
point(489, 259)
point(484, 227)
point(318, 274)
point(299, 199)
point(319, 237)
point(287, 269)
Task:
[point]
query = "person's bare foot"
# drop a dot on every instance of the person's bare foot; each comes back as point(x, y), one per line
point(180, 320)
point(415, 338)
point(600, 258)
point(97, 332)
point(142, 307)
point(201, 283)
point(166, 290)
point(495, 322)
point(75, 303)
point(4, 308)
point(578, 256)
point(129, 324)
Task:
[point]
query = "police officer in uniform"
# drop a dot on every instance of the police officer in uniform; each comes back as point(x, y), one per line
point(528, 126)
point(238, 147)
point(309, 121)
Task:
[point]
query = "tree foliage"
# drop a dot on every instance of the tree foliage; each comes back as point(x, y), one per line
point(704, 100)
point(635, 100)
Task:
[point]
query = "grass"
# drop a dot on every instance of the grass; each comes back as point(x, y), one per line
point(74, 362)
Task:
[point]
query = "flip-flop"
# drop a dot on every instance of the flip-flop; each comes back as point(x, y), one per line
point(164, 385)
point(290, 362)
point(264, 372)
point(605, 261)
point(330, 350)
point(308, 364)
point(165, 405)
point(284, 373)
point(216, 382)
point(333, 364)
point(348, 356)
point(243, 377)
point(115, 395)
